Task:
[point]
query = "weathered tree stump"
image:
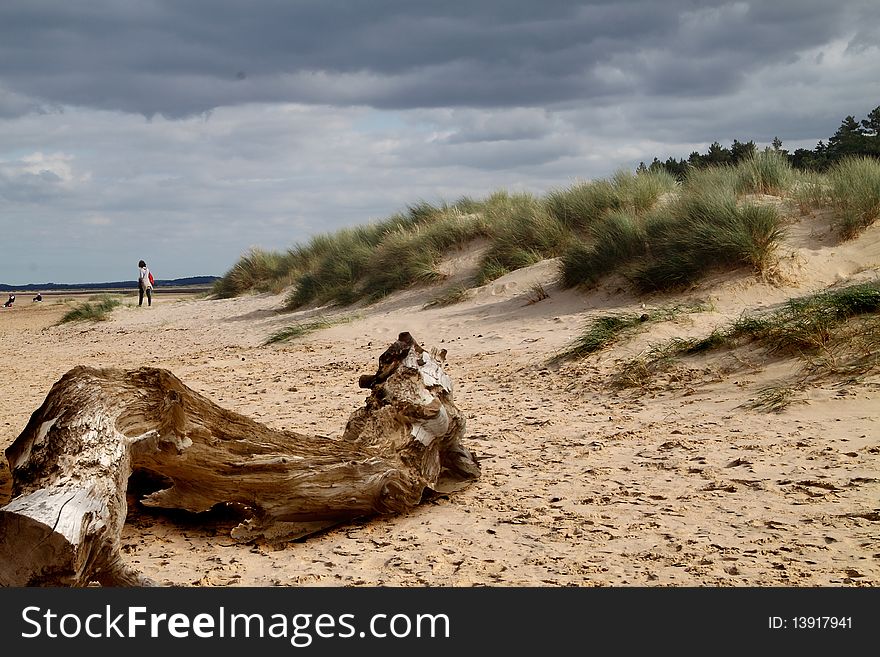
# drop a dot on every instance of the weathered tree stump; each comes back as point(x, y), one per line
point(71, 464)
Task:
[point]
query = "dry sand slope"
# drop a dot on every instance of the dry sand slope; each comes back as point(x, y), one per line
point(672, 485)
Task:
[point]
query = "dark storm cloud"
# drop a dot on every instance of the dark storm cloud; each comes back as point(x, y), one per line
point(177, 57)
point(222, 125)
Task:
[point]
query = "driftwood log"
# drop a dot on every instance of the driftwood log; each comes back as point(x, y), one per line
point(71, 464)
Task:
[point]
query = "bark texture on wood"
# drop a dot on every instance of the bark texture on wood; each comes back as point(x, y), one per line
point(71, 464)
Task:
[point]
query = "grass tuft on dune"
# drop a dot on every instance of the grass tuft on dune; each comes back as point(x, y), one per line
point(94, 310)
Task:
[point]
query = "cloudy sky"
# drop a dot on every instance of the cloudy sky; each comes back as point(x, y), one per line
point(186, 132)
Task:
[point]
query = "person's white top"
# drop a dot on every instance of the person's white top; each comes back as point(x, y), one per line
point(144, 277)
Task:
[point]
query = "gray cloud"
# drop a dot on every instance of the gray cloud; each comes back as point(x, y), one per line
point(180, 58)
point(187, 132)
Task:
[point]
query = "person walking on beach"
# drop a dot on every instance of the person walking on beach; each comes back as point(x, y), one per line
point(145, 284)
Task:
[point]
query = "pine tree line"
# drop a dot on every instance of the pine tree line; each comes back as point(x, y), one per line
point(853, 138)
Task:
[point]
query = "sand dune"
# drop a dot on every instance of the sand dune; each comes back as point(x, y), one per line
point(675, 484)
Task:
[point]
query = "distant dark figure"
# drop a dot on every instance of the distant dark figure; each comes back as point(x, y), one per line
point(145, 284)
point(9, 301)
point(39, 297)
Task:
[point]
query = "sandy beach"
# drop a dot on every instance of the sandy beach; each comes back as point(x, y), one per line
point(673, 484)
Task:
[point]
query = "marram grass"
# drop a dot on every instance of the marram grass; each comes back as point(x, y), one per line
point(95, 310)
point(598, 228)
point(605, 330)
point(835, 334)
point(855, 194)
point(301, 329)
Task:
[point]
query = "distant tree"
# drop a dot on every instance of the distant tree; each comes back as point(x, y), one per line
point(822, 157)
point(871, 132)
point(717, 155)
point(803, 159)
point(777, 144)
point(677, 168)
point(741, 151)
point(848, 140)
point(871, 125)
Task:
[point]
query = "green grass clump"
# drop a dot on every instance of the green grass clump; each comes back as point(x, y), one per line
point(703, 230)
point(372, 261)
point(674, 245)
point(95, 310)
point(765, 172)
point(523, 233)
point(325, 269)
point(403, 257)
point(338, 262)
point(640, 192)
point(776, 397)
point(614, 241)
point(422, 211)
point(258, 270)
point(468, 205)
point(582, 205)
point(604, 330)
point(720, 179)
point(406, 257)
point(807, 325)
point(691, 346)
point(600, 333)
point(452, 295)
point(802, 326)
point(854, 191)
point(536, 293)
point(835, 333)
point(301, 329)
point(810, 192)
point(851, 189)
point(581, 265)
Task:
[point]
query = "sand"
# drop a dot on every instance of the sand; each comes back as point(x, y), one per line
point(674, 485)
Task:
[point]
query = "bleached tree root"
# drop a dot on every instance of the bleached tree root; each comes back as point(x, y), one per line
point(71, 464)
